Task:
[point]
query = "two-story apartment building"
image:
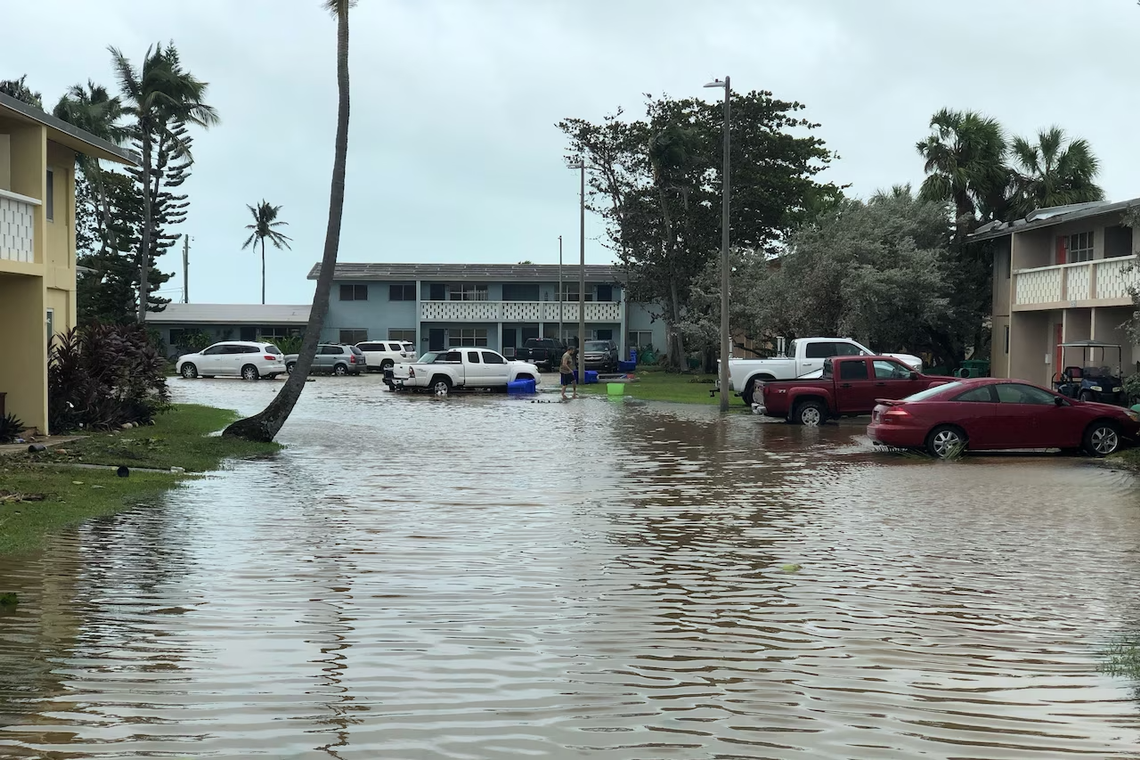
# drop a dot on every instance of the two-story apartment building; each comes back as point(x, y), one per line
point(1062, 275)
point(495, 305)
point(37, 246)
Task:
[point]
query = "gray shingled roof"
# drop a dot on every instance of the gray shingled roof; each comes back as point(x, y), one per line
point(1051, 217)
point(229, 314)
point(73, 137)
point(468, 272)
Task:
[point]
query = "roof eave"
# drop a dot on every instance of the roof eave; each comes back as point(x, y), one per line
point(69, 135)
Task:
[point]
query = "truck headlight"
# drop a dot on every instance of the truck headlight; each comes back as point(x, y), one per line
point(1096, 388)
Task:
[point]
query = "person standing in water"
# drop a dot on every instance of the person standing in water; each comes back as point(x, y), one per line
point(566, 370)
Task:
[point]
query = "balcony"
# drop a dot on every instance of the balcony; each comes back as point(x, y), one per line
point(1100, 282)
point(517, 311)
point(17, 227)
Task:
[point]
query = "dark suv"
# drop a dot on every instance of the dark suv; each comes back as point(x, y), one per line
point(602, 355)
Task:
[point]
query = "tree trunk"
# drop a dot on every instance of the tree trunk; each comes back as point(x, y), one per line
point(674, 343)
point(263, 271)
point(144, 244)
point(96, 179)
point(265, 425)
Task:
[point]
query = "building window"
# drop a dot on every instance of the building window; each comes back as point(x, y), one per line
point(1007, 339)
point(640, 338)
point(468, 336)
point(354, 292)
point(468, 292)
point(1080, 247)
point(50, 321)
point(404, 336)
point(570, 292)
point(271, 333)
point(49, 201)
point(402, 291)
point(353, 336)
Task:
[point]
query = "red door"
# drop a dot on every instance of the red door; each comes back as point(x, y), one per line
point(893, 379)
point(1020, 413)
point(1062, 254)
point(855, 393)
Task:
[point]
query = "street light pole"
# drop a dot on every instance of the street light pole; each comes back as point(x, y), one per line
point(561, 337)
point(725, 335)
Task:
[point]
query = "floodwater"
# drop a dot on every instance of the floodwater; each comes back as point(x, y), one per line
point(484, 577)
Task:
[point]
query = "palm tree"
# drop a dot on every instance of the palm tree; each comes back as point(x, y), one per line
point(265, 425)
point(264, 220)
point(160, 99)
point(93, 109)
point(1051, 173)
point(965, 165)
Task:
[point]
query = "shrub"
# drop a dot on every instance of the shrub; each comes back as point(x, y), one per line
point(10, 428)
point(1132, 388)
point(288, 345)
point(103, 376)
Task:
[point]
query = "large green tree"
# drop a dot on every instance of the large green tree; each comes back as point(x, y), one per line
point(965, 166)
point(264, 227)
point(265, 425)
point(1054, 171)
point(160, 100)
point(657, 183)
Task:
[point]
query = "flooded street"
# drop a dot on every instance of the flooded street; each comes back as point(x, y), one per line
point(486, 577)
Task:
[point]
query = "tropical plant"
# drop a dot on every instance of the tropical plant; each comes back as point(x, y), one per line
point(265, 425)
point(103, 376)
point(161, 99)
point(262, 229)
point(10, 428)
point(965, 166)
point(290, 344)
point(1053, 173)
point(18, 89)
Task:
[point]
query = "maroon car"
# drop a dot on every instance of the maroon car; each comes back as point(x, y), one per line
point(987, 414)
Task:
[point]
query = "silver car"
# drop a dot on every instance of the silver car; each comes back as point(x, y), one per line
point(333, 359)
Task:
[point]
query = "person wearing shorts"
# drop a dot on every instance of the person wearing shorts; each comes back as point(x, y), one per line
point(566, 370)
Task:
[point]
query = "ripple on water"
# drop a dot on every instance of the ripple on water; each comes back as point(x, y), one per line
point(479, 577)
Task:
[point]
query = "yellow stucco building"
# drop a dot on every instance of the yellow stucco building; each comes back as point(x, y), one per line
point(37, 246)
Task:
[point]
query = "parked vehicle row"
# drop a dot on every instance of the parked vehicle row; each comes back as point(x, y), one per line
point(456, 368)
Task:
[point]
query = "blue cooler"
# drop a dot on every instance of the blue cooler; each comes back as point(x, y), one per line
point(521, 386)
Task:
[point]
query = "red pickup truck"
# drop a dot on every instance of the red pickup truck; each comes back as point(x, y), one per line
point(849, 386)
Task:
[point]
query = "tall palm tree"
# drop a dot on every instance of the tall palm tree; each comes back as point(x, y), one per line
point(262, 229)
point(265, 425)
point(965, 165)
point(1052, 173)
point(93, 109)
point(160, 99)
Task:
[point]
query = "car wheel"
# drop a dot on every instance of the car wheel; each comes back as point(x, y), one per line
point(289, 367)
point(747, 396)
point(189, 371)
point(1101, 438)
point(1086, 396)
point(340, 370)
point(441, 386)
point(386, 365)
point(945, 442)
point(249, 372)
point(810, 413)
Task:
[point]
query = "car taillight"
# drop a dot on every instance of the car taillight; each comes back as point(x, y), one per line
point(352, 358)
point(895, 415)
point(270, 357)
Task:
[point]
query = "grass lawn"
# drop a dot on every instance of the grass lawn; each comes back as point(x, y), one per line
point(35, 500)
point(658, 385)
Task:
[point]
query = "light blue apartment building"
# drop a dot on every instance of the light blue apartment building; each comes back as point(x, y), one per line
point(495, 305)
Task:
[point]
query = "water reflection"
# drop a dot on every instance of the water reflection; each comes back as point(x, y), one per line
point(484, 577)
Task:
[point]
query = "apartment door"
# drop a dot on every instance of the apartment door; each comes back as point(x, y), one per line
point(435, 339)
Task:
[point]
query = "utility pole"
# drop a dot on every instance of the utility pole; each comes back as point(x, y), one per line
point(582, 281)
point(725, 335)
point(185, 269)
point(561, 337)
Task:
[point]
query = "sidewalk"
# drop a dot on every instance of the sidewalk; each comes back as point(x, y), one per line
point(46, 440)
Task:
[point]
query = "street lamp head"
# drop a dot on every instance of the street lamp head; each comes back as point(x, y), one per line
point(716, 83)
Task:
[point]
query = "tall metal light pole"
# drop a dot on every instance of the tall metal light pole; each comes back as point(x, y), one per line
point(582, 279)
point(561, 337)
point(186, 269)
point(725, 335)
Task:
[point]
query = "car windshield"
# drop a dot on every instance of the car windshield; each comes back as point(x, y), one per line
point(597, 345)
point(937, 390)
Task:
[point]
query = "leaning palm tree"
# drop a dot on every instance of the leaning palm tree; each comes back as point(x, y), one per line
point(1052, 173)
point(93, 109)
point(265, 425)
point(159, 99)
point(965, 166)
point(262, 229)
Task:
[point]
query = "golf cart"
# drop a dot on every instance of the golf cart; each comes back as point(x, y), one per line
point(1088, 381)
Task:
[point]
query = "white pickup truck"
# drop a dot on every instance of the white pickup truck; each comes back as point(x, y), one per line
point(444, 371)
point(804, 356)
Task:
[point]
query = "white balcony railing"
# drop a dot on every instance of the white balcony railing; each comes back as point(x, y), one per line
point(517, 311)
point(1106, 280)
point(17, 227)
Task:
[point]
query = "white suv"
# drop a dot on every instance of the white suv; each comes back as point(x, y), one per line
point(237, 358)
point(384, 354)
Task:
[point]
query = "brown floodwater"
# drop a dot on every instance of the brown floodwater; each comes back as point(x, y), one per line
point(485, 577)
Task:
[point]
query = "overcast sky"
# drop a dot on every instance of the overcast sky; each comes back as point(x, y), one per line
point(453, 153)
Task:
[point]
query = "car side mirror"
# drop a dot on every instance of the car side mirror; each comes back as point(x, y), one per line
point(1058, 401)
